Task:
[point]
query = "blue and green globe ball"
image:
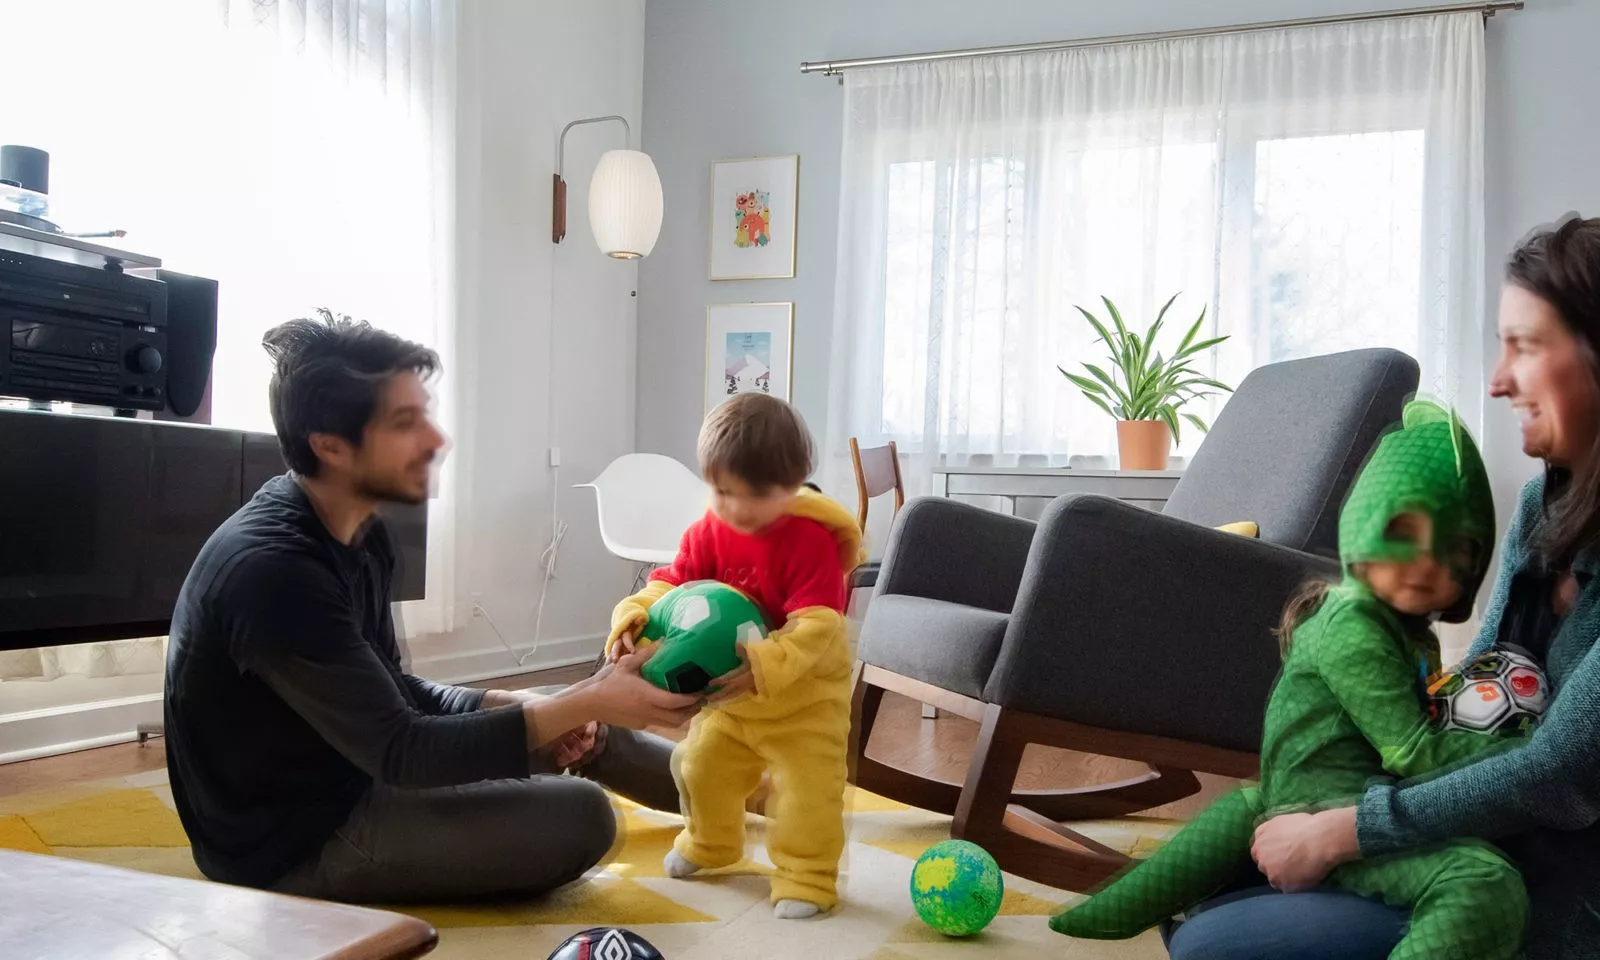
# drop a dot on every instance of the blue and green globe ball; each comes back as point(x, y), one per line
point(957, 888)
point(699, 626)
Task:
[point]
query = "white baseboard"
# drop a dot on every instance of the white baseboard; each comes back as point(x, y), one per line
point(56, 730)
point(43, 733)
point(487, 663)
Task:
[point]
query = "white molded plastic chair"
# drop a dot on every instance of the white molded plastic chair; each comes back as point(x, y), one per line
point(646, 502)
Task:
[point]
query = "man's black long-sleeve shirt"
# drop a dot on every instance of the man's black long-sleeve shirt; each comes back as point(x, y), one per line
point(285, 698)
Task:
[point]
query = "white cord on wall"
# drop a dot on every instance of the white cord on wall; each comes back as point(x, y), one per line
point(558, 529)
point(547, 561)
point(558, 532)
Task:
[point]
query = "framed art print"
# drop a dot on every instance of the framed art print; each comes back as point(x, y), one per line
point(749, 349)
point(753, 218)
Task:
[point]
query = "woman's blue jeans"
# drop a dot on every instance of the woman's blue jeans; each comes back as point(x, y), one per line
point(1259, 923)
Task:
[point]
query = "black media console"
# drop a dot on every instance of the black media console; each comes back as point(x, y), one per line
point(100, 518)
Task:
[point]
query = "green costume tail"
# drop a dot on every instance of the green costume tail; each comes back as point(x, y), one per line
point(1203, 858)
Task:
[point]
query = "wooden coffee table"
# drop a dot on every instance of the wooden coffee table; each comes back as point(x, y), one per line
point(56, 907)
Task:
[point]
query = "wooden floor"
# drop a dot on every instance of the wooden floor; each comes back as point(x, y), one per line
point(937, 748)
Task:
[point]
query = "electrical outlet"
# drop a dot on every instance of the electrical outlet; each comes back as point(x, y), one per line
point(555, 456)
point(477, 605)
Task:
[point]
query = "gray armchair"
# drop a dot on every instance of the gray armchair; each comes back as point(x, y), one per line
point(1115, 630)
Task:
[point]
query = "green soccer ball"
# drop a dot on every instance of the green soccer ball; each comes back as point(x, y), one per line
point(699, 626)
point(957, 888)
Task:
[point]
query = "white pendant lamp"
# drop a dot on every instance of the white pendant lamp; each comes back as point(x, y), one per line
point(625, 202)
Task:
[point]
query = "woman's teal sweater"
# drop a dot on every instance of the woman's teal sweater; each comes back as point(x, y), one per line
point(1540, 803)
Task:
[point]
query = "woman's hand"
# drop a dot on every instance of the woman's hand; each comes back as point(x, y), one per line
point(1296, 851)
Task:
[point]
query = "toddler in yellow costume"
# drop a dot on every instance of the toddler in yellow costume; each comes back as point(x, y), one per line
point(787, 710)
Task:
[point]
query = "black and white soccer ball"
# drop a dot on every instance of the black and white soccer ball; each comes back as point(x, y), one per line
point(606, 943)
point(1501, 691)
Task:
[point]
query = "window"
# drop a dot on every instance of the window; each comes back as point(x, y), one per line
point(289, 151)
point(1310, 190)
point(1337, 258)
point(285, 151)
point(979, 251)
point(1330, 261)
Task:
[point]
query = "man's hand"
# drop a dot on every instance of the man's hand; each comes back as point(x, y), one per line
point(574, 746)
point(506, 698)
point(623, 698)
point(614, 695)
point(1296, 851)
point(733, 684)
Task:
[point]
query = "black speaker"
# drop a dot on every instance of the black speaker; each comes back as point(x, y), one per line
point(26, 167)
point(191, 342)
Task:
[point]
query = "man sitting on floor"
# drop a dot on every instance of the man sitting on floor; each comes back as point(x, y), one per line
point(301, 757)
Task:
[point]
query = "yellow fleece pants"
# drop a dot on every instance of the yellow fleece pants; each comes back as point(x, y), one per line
point(719, 766)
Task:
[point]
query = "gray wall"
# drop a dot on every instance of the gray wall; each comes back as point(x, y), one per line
point(722, 80)
point(1543, 160)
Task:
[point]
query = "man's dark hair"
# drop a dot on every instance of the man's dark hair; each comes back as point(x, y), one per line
point(326, 377)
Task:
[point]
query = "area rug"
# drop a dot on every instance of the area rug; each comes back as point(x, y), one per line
point(130, 822)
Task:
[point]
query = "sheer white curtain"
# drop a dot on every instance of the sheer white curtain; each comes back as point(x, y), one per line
point(1314, 189)
point(298, 152)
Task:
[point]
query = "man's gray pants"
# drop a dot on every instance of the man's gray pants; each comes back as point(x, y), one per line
point(498, 836)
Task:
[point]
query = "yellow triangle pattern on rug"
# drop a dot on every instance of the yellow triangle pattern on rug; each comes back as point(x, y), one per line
point(860, 801)
point(602, 902)
point(645, 844)
point(120, 818)
point(15, 834)
point(721, 916)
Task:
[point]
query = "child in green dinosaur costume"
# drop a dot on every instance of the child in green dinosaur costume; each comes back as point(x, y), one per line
point(1414, 540)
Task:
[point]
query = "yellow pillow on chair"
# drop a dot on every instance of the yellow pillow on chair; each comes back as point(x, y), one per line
point(1244, 528)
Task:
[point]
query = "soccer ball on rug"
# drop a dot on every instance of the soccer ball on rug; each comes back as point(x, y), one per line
point(956, 888)
point(1501, 691)
point(606, 943)
point(699, 626)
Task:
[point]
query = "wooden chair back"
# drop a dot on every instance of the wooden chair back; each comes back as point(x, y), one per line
point(877, 472)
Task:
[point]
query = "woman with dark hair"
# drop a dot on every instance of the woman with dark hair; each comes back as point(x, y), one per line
point(1541, 803)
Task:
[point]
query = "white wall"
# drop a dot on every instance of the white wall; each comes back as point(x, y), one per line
point(722, 80)
point(525, 69)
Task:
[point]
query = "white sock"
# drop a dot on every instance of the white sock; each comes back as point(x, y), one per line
point(678, 865)
point(795, 910)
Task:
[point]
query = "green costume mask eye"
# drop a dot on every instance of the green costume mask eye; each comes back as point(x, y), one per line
point(1428, 466)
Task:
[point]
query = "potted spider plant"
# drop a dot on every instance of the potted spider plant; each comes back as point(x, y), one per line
point(1144, 391)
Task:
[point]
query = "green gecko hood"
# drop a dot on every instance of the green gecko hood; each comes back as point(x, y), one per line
point(1429, 465)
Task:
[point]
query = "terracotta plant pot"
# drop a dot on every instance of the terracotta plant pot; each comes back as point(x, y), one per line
point(1143, 444)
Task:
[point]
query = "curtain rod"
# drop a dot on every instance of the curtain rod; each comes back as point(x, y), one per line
point(834, 67)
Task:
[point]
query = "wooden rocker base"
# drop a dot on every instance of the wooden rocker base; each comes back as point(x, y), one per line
point(1031, 846)
point(1157, 788)
point(1020, 828)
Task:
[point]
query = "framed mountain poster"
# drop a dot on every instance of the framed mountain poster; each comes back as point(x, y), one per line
point(749, 349)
